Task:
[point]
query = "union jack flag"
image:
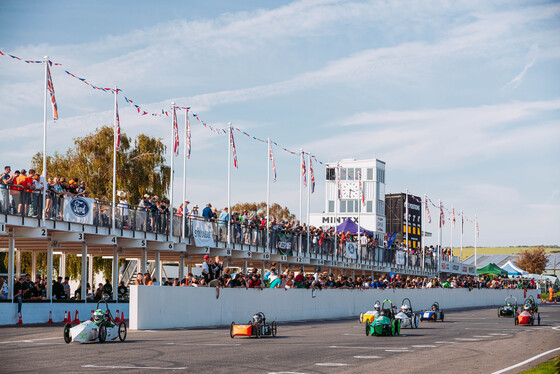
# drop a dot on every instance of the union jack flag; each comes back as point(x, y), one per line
point(303, 170)
point(117, 126)
point(312, 175)
point(175, 134)
point(271, 157)
point(428, 212)
point(453, 219)
point(441, 217)
point(188, 135)
point(232, 141)
point(361, 189)
point(50, 88)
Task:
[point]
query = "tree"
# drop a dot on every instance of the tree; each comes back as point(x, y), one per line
point(140, 168)
point(276, 210)
point(533, 260)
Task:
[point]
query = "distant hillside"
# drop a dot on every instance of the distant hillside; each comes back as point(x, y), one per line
point(468, 251)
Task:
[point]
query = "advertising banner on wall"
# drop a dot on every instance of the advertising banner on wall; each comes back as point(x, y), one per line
point(284, 243)
point(400, 258)
point(203, 233)
point(78, 209)
point(351, 250)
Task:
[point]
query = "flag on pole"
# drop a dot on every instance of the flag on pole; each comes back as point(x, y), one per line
point(175, 134)
point(453, 219)
point(117, 127)
point(188, 136)
point(361, 189)
point(232, 141)
point(338, 181)
point(312, 175)
point(441, 217)
point(50, 88)
point(476, 224)
point(462, 222)
point(428, 212)
point(303, 170)
point(271, 158)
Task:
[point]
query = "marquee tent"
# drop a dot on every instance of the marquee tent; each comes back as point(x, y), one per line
point(349, 225)
point(491, 269)
point(512, 269)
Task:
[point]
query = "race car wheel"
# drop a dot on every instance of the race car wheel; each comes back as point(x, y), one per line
point(416, 321)
point(539, 319)
point(442, 316)
point(231, 330)
point(122, 331)
point(367, 328)
point(67, 337)
point(274, 328)
point(532, 321)
point(257, 331)
point(102, 332)
point(361, 317)
point(499, 315)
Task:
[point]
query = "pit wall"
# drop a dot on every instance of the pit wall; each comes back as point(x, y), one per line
point(39, 312)
point(173, 307)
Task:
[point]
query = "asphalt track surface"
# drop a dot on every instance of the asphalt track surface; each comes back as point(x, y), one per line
point(469, 341)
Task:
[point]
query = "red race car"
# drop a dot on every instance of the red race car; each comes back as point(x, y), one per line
point(257, 327)
point(529, 315)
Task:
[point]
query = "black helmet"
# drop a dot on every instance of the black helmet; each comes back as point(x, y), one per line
point(258, 318)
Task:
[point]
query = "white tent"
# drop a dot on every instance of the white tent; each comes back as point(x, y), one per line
point(512, 269)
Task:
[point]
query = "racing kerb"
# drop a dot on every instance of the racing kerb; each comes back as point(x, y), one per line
point(173, 307)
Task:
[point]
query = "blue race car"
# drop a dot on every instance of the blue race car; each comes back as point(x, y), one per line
point(435, 314)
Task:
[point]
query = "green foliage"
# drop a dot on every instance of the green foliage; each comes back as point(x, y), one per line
point(140, 168)
point(276, 210)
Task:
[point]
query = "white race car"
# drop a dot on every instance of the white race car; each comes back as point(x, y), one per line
point(102, 328)
point(407, 316)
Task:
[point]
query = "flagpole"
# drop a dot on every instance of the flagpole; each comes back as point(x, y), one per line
point(46, 61)
point(114, 161)
point(185, 174)
point(172, 149)
point(439, 239)
point(300, 185)
point(475, 259)
point(452, 227)
point(423, 228)
point(406, 212)
point(268, 196)
point(359, 213)
point(336, 210)
point(462, 223)
point(308, 177)
point(229, 179)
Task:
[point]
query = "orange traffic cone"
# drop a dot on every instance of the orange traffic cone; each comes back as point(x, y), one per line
point(76, 319)
point(91, 318)
point(50, 317)
point(122, 316)
point(65, 317)
point(20, 322)
point(69, 317)
point(117, 318)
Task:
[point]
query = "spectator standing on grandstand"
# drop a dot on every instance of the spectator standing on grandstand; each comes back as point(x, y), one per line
point(6, 180)
point(98, 295)
point(108, 290)
point(58, 289)
point(215, 268)
point(3, 289)
point(122, 291)
point(222, 222)
point(66, 287)
point(195, 212)
point(18, 292)
point(22, 186)
point(207, 212)
point(206, 268)
point(139, 280)
point(122, 209)
point(148, 279)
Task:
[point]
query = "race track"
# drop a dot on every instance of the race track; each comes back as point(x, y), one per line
point(472, 341)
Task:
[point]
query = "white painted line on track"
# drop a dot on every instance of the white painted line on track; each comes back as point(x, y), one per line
point(209, 344)
point(526, 361)
point(468, 339)
point(28, 340)
point(481, 336)
point(132, 367)
point(349, 347)
point(284, 372)
point(399, 350)
point(331, 364)
point(424, 346)
point(497, 334)
point(368, 357)
point(354, 334)
point(446, 342)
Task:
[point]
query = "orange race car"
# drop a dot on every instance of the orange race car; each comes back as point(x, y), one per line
point(257, 327)
point(529, 315)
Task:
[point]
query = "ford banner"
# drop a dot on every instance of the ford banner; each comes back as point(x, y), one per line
point(78, 209)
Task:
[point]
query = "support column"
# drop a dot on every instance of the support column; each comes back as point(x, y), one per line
point(90, 277)
point(244, 266)
point(181, 266)
point(189, 267)
point(11, 256)
point(157, 268)
point(279, 268)
point(18, 263)
point(33, 266)
point(84, 277)
point(143, 261)
point(62, 266)
point(50, 265)
point(115, 273)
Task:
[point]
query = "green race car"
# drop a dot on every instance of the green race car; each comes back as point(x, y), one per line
point(386, 324)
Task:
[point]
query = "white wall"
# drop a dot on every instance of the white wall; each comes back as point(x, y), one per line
point(170, 307)
point(39, 312)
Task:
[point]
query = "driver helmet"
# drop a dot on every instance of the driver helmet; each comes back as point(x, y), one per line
point(376, 306)
point(404, 308)
point(98, 315)
point(527, 306)
point(434, 307)
point(258, 318)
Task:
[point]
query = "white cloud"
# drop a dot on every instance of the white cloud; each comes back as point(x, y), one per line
point(515, 82)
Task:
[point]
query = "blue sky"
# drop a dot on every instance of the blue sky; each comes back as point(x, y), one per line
point(460, 99)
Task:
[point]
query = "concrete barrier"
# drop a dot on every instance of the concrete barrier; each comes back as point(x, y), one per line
point(39, 312)
point(172, 307)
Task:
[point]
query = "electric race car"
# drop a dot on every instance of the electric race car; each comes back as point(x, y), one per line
point(529, 314)
point(509, 309)
point(257, 327)
point(386, 324)
point(432, 315)
point(370, 315)
point(407, 316)
point(102, 328)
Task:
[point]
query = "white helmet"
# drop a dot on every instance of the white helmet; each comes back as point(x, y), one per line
point(377, 307)
point(404, 308)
